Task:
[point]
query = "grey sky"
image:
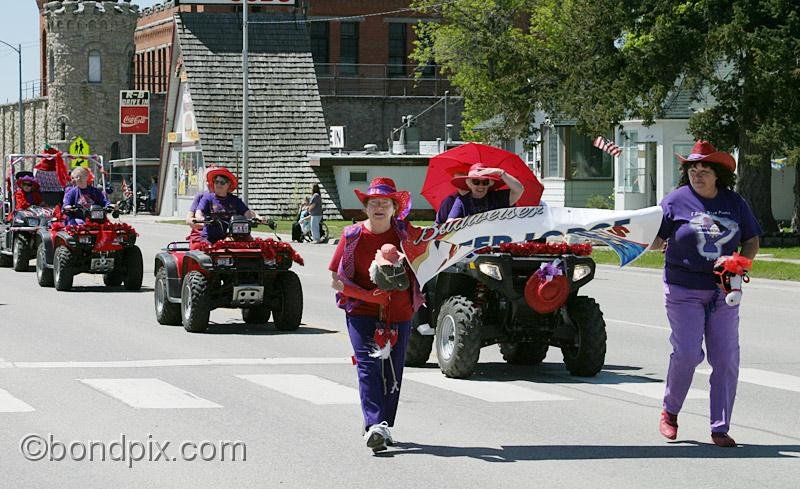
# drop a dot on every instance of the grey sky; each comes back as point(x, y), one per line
point(19, 24)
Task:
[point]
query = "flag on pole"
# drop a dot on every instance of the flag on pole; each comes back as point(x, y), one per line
point(607, 146)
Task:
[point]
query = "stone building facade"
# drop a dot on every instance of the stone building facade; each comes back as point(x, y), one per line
point(89, 60)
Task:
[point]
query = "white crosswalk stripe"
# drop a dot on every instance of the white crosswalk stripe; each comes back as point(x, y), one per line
point(311, 388)
point(639, 386)
point(765, 378)
point(10, 404)
point(490, 391)
point(149, 394)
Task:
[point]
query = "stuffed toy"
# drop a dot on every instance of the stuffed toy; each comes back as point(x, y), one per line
point(387, 271)
point(731, 271)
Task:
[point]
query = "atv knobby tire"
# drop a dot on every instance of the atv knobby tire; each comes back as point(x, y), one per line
point(20, 257)
point(44, 275)
point(458, 337)
point(62, 269)
point(195, 302)
point(258, 315)
point(5, 260)
point(419, 347)
point(587, 356)
point(287, 308)
point(167, 313)
point(524, 353)
point(134, 268)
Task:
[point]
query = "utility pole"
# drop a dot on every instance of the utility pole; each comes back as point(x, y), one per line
point(20, 109)
point(245, 106)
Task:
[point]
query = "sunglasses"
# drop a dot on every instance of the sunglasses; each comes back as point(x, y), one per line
point(221, 181)
point(477, 182)
point(27, 184)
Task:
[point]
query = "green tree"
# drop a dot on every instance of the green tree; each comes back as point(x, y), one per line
point(602, 61)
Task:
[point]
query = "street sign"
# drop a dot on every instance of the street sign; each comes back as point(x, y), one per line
point(79, 147)
point(134, 112)
point(337, 137)
point(236, 2)
point(237, 142)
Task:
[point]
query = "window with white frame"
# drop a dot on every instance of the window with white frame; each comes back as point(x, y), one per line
point(95, 67)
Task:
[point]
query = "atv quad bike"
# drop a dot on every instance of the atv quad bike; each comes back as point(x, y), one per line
point(97, 246)
point(239, 272)
point(482, 301)
point(19, 227)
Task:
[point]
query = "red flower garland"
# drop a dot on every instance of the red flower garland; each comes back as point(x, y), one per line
point(270, 249)
point(532, 248)
point(95, 227)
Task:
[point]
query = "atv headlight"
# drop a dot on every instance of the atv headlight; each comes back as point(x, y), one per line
point(580, 272)
point(33, 222)
point(491, 270)
point(85, 239)
point(224, 261)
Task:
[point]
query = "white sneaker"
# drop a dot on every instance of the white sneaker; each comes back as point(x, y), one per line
point(377, 436)
point(426, 330)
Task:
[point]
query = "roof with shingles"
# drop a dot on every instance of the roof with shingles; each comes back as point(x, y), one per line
point(286, 119)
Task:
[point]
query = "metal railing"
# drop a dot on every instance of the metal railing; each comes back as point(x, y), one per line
point(380, 80)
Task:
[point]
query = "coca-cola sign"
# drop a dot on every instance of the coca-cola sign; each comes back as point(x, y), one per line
point(134, 112)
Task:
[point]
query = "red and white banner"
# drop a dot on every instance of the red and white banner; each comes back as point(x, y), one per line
point(134, 112)
point(237, 2)
point(431, 250)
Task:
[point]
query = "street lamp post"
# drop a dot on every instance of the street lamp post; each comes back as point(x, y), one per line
point(18, 49)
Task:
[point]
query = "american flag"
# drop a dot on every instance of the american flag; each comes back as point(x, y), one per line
point(607, 146)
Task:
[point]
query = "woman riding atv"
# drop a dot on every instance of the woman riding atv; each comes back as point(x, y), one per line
point(81, 195)
point(221, 203)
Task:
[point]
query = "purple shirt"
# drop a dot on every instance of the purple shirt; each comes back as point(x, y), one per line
point(445, 206)
point(701, 230)
point(86, 197)
point(210, 203)
point(465, 205)
point(196, 201)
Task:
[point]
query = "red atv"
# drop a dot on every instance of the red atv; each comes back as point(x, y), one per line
point(97, 246)
point(242, 272)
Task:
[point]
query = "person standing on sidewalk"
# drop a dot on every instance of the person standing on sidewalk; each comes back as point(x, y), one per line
point(376, 316)
point(315, 211)
point(704, 219)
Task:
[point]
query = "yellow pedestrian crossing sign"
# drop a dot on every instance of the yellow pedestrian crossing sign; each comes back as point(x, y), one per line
point(79, 147)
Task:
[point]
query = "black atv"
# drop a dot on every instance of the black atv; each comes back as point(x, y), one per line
point(481, 301)
point(243, 272)
point(18, 236)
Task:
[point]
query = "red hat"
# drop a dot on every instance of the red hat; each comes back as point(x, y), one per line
point(705, 151)
point(385, 187)
point(545, 296)
point(27, 178)
point(222, 172)
point(461, 182)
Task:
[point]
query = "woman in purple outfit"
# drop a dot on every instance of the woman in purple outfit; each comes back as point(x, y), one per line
point(704, 219)
point(81, 195)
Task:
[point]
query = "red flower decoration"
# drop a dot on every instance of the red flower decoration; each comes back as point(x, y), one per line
point(270, 249)
point(532, 248)
point(90, 227)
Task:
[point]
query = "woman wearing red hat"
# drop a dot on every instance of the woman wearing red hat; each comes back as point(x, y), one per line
point(27, 193)
point(704, 219)
point(220, 202)
point(376, 317)
point(483, 196)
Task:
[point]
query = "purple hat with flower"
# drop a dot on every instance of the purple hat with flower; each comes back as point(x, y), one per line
point(386, 188)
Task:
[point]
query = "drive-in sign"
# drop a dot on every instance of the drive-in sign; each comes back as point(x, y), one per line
point(134, 112)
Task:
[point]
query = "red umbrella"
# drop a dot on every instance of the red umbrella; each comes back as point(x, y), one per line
point(442, 167)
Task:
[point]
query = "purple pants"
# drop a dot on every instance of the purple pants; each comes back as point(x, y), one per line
point(694, 314)
point(375, 379)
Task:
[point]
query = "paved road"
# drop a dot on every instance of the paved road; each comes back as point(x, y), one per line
point(93, 366)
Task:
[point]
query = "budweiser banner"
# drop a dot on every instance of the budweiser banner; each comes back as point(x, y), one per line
point(432, 249)
point(134, 112)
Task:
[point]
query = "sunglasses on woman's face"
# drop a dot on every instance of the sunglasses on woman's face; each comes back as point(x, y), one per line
point(26, 184)
point(483, 183)
point(221, 181)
